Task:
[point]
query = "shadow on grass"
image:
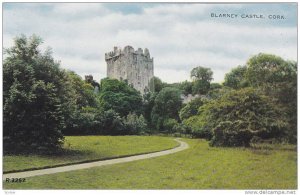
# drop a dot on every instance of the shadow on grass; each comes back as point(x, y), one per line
point(75, 156)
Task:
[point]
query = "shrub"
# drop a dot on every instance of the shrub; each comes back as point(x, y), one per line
point(190, 109)
point(169, 124)
point(134, 124)
point(181, 129)
point(240, 115)
point(196, 125)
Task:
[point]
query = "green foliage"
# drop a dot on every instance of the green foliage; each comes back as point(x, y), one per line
point(109, 123)
point(135, 124)
point(202, 73)
point(169, 125)
point(200, 87)
point(166, 105)
point(92, 121)
point(202, 77)
point(82, 100)
point(277, 79)
point(190, 109)
point(148, 104)
point(264, 69)
point(236, 79)
point(158, 84)
point(181, 129)
point(214, 86)
point(239, 115)
point(186, 87)
point(217, 93)
point(120, 97)
point(198, 126)
point(35, 100)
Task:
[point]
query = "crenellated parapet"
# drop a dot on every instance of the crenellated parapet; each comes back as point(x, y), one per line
point(128, 50)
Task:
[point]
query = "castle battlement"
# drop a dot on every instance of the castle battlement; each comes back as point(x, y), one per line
point(127, 50)
point(134, 66)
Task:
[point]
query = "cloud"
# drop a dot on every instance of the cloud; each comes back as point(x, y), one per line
point(179, 36)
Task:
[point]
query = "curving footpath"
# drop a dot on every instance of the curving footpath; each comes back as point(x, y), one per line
point(25, 174)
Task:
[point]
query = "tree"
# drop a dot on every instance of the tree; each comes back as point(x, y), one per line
point(83, 91)
point(83, 102)
point(236, 78)
point(202, 77)
point(240, 115)
point(202, 73)
point(170, 125)
point(134, 124)
point(109, 122)
point(148, 104)
point(198, 127)
point(120, 97)
point(190, 109)
point(277, 78)
point(34, 98)
point(166, 105)
point(186, 87)
point(158, 84)
point(214, 86)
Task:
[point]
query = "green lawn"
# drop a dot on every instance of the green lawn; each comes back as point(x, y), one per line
point(199, 167)
point(82, 148)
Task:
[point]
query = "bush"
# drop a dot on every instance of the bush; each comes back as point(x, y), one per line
point(134, 124)
point(196, 125)
point(83, 122)
point(182, 129)
point(190, 109)
point(169, 124)
point(109, 123)
point(240, 115)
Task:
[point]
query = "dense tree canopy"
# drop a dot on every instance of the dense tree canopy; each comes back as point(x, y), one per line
point(191, 108)
point(166, 105)
point(36, 100)
point(202, 73)
point(240, 115)
point(236, 79)
point(277, 78)
point(120, 97)
point(202, 77)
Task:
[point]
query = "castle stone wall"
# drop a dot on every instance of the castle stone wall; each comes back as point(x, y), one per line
point(133, 66)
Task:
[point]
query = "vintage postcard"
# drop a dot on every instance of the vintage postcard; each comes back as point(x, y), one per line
point(150, 96)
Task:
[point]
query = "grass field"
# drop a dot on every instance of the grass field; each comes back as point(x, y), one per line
point(199, 167)
point(82, 148)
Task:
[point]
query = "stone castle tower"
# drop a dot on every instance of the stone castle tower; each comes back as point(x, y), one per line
point(133, 67)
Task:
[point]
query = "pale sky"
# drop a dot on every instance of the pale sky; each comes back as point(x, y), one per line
point(178, 36)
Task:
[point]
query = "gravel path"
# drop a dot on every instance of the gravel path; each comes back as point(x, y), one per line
point(24, 174)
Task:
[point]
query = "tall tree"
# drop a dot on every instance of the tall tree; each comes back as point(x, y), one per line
point(166, 105)
point(236, 78)
point(277, 78)
point(35, 100)
point(202, 77)
point(158, 84)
